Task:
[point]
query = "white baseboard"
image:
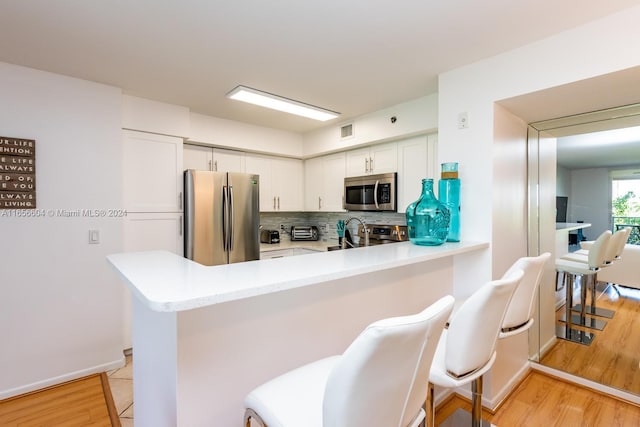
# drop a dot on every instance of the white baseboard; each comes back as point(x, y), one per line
point(629, 397)
point(5, 394)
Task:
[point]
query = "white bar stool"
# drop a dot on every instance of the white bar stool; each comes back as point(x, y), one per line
point(570, 270)
point(380, 380)
point(519, 316)
point(613, 253)
point(466, 349)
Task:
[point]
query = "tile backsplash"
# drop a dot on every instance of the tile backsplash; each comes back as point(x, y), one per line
point(326, 221)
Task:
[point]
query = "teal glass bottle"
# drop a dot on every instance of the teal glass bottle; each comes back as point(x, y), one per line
point(449, 194)
point(427, 218)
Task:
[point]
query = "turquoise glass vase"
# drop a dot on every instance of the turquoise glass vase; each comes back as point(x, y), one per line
point(427, 218)
point(449, 194)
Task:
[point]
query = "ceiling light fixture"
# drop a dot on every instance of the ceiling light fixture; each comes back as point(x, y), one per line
point(275, 102)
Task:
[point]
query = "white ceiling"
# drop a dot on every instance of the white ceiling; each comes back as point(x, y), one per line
point(353, 56)
point(587, 117)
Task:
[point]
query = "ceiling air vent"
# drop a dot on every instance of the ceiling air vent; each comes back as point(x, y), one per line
point(346, 131)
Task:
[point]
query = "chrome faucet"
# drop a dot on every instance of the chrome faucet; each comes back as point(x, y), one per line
point(364, 229)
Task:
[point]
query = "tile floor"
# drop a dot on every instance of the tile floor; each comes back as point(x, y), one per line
point(121, 384)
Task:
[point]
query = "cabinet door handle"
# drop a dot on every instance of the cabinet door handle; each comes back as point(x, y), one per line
point(274, 203)
point(278, 202)
point(210, 165)
point(180, 200)
point(366, 165)
point(319, 202)
point(215, 166)
point(180, 226)
point(370, 164)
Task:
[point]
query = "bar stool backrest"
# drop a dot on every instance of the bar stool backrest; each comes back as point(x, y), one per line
point(379, 373)
point(620, 239)
point(522, 305)
point(474, 328)
point(598, 251)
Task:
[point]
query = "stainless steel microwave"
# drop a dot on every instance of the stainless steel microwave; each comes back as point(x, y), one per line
point(370, 192)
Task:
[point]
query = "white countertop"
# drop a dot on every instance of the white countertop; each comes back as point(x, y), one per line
point(570, 226)
point(167, 282)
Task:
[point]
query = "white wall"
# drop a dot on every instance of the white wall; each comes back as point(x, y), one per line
point(60, 310)
point(245, 137)
point(412, 118)
point(601, 47)
point(590, 200)
point(563, 182)
point(156, 117)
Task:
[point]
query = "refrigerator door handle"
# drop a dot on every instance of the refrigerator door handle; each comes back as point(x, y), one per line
point(231, 218)
point(225, 218)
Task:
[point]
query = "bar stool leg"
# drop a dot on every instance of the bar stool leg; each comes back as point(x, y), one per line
point(476, 401)
point(430, 408)
point(567, 332)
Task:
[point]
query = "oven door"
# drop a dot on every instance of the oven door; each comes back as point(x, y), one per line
point(370, 193)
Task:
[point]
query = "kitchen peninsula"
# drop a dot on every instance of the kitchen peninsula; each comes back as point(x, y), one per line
point(203, 337)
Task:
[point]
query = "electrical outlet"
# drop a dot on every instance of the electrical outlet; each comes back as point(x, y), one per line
point(282, 227)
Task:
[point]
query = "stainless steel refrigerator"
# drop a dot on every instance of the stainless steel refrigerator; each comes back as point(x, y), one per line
point(222, 217)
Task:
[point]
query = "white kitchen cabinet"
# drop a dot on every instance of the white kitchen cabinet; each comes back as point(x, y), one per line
point(376, 159)
point(281, 182)
point(150, 231)
point(281, 253)
point(417, 159)
point(278, 253)
point(152, 172)
point(212, 159)
point(324, 183)
point(304, 251)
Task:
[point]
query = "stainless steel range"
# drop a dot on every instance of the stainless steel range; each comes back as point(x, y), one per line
point(381, 234)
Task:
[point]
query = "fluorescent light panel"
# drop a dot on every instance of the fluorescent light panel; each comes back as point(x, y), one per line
point(275, 102)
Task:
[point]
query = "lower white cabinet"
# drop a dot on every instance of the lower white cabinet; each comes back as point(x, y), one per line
point(149, 231)
point(278, 253)
point(304, 251)
point(153, 231)
point(281, 253)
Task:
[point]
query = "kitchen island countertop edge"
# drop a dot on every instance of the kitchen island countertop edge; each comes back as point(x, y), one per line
point(167, 282)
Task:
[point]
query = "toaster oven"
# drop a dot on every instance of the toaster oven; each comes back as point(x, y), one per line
point(299, 232)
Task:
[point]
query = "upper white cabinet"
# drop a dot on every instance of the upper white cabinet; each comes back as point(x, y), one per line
point(152, 172)
point(417, 159)
point(324, 183)
point(281, 182)
point(212, 159)
point(381, 158)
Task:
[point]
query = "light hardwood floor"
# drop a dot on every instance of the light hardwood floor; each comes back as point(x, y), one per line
point(83, 402)
point(542, 400)
point(613, 357)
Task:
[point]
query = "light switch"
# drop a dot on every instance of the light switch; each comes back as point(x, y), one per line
point(94, 237)
point(463, 120)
